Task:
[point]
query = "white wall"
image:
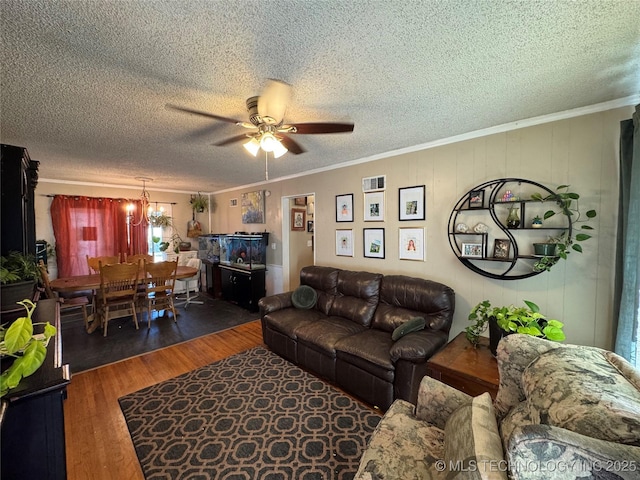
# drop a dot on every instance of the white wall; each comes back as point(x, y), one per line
point(580, 151)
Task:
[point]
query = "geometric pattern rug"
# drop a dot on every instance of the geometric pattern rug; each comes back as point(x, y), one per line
point(251, 416)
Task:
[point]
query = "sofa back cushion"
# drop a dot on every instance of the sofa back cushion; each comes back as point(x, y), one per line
point(403, 298)
point(357, 297)
point(325, 281)
point(580, 390)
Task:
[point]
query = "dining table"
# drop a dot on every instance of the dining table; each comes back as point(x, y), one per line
point(81, 283)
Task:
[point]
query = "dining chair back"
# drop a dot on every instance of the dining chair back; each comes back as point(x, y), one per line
point(118, 291)
point(191, 283)
point(138, 258)
point(94, 262)
point(160, 279)
point(66, 304)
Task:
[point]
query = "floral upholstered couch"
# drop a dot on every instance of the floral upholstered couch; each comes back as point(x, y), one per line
point(561, 412)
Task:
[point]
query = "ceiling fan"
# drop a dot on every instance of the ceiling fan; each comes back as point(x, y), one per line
point(267, 130)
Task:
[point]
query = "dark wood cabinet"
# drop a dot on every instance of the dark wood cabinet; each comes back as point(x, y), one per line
point(19, 176)
point(243, 287)
point(32, 415)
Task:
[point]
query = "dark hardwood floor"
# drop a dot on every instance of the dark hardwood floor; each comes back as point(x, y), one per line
point(98, 444)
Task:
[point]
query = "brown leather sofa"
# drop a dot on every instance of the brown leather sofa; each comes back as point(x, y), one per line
point(347, 336)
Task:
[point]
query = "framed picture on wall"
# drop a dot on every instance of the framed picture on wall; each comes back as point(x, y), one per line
point(344, 243)
point(412, 203)
point(310, 226)
point(301, 201)
point(298, 219)
point(411, 244)
point(252, 204)
point(374, 207)
point(373, 242)
point(344, 207)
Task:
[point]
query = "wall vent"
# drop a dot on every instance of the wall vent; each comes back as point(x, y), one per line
point(371, 184)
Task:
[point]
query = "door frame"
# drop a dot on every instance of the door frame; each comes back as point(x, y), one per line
point(286, 203)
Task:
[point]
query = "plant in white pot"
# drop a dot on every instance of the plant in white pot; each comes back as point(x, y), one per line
point(510, 319)
point(560, 247)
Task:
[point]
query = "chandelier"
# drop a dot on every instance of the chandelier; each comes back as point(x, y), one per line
point(145, 205)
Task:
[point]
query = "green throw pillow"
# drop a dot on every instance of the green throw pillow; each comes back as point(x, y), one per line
point(304, 297)
point(413, 325)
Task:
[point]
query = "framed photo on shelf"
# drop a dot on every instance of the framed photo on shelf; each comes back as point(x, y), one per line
point(344, 208)
point(373, 242)
point(476, 199)
point(411, 203)
point(501, 248)
point(298, 219)
point(344, 243)
point(374, 207)
point(411, 243)
point(472, 250)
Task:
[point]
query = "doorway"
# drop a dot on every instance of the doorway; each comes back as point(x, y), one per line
point(298, 237)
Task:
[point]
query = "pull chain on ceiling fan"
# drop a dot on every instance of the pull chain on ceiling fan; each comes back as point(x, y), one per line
point(266, 116)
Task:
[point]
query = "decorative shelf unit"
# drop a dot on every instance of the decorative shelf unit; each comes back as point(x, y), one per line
point(490, 210)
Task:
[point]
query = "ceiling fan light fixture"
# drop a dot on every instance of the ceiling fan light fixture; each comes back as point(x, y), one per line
point(279, 149)
point(268, 142)
point(252, 146)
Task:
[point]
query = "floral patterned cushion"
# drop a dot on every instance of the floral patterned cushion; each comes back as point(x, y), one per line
point(579, 390)
point(472, 440)
point(402, 447)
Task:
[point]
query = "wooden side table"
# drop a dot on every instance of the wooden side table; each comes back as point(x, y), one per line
point(471, 370)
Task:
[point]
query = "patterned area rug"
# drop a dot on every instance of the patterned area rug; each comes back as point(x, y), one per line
point(252, 416)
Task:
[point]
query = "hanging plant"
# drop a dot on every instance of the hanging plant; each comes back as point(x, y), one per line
point(160, 220)
point(199, 203)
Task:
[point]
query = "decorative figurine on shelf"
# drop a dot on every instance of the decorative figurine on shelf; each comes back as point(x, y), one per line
point(536, 222)
point(508, 196)
point(513, 220)
point(462, 228)
point(481, 228)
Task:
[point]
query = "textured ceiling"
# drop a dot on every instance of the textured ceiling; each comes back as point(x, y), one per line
point(84, 83)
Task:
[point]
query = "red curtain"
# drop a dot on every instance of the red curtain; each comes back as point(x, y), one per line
point(93, 226)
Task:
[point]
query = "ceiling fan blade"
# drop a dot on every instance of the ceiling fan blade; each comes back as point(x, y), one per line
point(293, 146)
point(230, 140)
point(204, 114)
point(313, 128)
point(274, 100)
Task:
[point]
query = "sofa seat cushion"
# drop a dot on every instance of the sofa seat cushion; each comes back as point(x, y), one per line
point(580, 390)
point(286, 321)
point(471, 436)
point(368, 350)
point(402, 447)
point(324, 333)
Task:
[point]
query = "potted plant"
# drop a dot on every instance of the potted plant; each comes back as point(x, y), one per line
point(19, 275)
point(28, 349)
point(510, 319)
point(199, 203)
point(160, 219)
point(568, 205)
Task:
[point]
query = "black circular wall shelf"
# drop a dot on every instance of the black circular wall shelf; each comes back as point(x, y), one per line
point(489, 204)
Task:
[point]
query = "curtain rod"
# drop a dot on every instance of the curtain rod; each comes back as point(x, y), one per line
point(66, 195)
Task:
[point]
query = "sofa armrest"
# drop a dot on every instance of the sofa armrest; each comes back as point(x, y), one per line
point(544, 451)
point(437, 401)
point(418, 347)
point(274, 302)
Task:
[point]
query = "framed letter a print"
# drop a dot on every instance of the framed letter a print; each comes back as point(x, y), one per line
point(344, 208)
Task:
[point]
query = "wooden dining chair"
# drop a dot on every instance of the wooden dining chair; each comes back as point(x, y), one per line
point(66, 304)
point(118, 292)
point(138, 258)
point(160, 279)
point(94, 262)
